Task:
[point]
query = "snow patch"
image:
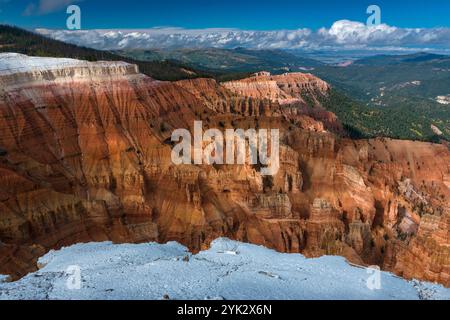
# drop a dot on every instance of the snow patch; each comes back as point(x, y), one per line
point(155, 271)
point(4, 278)
point(11, 63)
point(15, 63)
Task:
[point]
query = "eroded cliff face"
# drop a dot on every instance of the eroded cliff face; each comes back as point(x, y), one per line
point(86, 156)
point(286, 89)
point(298, 95)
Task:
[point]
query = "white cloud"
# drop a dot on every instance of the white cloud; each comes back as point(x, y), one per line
point(47, 6)
point(343, 35)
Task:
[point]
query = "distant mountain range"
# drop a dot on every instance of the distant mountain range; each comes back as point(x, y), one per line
point(229, 60)
point(384, 60)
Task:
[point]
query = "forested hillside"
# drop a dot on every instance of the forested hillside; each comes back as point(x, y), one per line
point(17, 40)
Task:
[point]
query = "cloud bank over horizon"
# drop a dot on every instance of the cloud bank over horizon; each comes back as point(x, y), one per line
point(342, 35)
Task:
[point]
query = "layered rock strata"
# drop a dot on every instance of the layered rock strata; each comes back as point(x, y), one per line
point(86, 156)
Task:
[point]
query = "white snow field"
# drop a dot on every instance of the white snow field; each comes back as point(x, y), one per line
point(11, 63)
point(16, 62)
point(229, 270)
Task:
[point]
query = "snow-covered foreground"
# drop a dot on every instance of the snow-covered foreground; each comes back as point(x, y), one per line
point(229, 270)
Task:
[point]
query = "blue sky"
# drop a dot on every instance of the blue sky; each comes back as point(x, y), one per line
point(242, 14)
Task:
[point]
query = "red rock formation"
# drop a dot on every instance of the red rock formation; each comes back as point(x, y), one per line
point(86, 158)
point(259, 96)
point(290, 91)
point(220, 99)
point(285, 89)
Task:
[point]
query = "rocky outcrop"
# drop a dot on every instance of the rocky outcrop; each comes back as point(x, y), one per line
point(219, 99)
point(18, 70)
point(285, 89)
point(260, 96)
point(298, 94)
point(88, 158)
point(427, 255)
